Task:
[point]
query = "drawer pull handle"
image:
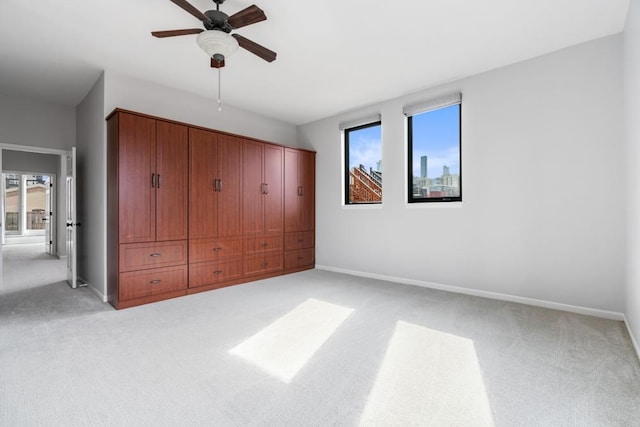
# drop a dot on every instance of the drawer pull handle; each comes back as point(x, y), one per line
point(217, 272)
point(299, 258)
point(300, 240)
point(217, 249)
point(155, 255)
point(155, 282)
point(264, 244)
point(264, 264)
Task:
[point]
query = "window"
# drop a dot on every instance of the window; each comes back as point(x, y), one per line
point(363, 164)
point(435, 172)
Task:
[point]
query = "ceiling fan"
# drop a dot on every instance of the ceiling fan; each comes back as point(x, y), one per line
point(215, 39)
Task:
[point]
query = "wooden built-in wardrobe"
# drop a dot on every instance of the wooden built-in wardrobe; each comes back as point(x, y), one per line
point(193, 209)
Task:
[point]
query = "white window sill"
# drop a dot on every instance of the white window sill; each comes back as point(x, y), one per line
point(434, 205)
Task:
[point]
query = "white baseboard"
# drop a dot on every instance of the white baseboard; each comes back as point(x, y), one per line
point(93, 289)
point(633, 338)
point(484, 294)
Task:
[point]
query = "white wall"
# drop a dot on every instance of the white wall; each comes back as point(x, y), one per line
point(29, 122)
point(92, 187)
point(543, 168)
point(113, 90)
point(36, 123)
point(162, 101)
point(632, 126)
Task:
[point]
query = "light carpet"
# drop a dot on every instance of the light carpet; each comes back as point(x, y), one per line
point(310, 349)
point(27, 265)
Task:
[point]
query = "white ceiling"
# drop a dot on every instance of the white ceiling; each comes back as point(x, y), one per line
point(333, 55)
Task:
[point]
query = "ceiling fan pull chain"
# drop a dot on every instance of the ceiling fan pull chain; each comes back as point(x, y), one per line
point(219, 92)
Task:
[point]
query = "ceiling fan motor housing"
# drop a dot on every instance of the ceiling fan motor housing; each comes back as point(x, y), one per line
point(217, 21)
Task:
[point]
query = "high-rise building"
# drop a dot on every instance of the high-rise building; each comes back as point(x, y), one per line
point(445, 170)
point(379, 165)
point(423, 167)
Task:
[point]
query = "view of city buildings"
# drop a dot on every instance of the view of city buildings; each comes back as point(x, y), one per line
point(365, 186)
point(445, 185)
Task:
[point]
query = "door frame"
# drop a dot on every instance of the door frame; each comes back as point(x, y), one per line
point(32, 149)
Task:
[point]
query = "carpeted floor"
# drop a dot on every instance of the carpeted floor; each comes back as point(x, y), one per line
point(310, 349)
point(28, 266)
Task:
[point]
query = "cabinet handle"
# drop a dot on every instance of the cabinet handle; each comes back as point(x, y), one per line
point(300, 240)
point(216, 184)
point(155, 255)
point(300, 191)
point(153, 180)
point(299, 258)
point(264, 264)
point(264, 244)
point(217, 249)
point(219, 185)
point(217, 272)
point(155, 282)
point(266, 188)
point(158, 181)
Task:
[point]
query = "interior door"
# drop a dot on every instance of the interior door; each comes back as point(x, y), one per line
point(49, 220)
point(72, 238)
point(2, 218)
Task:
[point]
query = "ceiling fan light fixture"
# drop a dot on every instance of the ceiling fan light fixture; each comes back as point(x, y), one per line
point(215, 42)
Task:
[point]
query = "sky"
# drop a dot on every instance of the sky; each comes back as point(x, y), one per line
point(365, 147)
point(436, 135)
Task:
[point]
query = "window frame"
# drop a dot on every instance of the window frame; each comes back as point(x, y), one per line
point(448, 199)
point(346, 132)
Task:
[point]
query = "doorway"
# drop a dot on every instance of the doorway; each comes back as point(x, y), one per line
point(32, 216)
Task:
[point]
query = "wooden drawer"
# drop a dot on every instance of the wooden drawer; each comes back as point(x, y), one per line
point(257, 244)
point(138, 284)
point(268, 263)
point(299, 240)
point(202, 250)
point(138, 256)
point(299, 258)
point(209, 273)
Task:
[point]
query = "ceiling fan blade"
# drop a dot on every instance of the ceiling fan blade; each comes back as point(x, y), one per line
point(171, 33)
point(255, 48)
point(247, 16)
point(192, 10)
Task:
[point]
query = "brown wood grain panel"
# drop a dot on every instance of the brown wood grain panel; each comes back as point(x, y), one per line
point(202, 173)
point(273, 171)
point(299, 240)
point(214, 272)
point(252, 187)
point(308, 183)
point(172, 168)
point(138, 256)
point(144, 283)
point(259, 244)
point(261, 264)
point(299, 258)
point(216, 249)
point(292, 182)
point(112, 209)
point(229, 198)
point(136, 160)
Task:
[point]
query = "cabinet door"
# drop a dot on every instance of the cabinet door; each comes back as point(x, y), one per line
point(229, 202)
point(273, 172)
point(202, 175)
point(252, 187)
point(171, 181)
point(292, 199)
point(307, 177)
point(136, 164)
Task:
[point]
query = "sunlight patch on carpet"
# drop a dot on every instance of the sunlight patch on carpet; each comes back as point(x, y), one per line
point(428, 377)
point(286, 345)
